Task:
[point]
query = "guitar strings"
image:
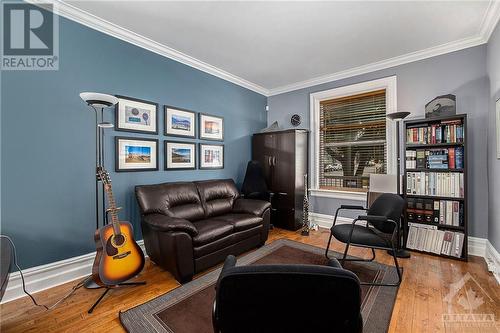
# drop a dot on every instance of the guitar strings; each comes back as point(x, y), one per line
point(75, 287)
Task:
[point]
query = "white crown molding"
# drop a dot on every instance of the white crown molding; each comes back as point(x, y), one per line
point(51, 275)
point(489, 22)
point(384, 64)
point(87, 19)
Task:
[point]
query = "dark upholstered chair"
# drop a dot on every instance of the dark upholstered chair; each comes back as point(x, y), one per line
point(380, 232)
point(191, 226)
point(287, 298)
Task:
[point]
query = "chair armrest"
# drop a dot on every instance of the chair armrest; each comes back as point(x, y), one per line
point(352, 207)
point(250, 206)
point(372, 218)
point(164, 223)
point(333, 262)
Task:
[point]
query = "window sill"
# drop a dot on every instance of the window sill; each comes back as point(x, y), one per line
point(345, 195)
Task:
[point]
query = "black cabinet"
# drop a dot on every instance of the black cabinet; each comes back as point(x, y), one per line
point(284, 157)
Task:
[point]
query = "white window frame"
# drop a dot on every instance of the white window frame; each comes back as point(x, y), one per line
point(390, 86)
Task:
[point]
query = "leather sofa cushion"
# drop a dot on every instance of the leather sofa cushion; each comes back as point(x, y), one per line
point(250, 206)
point(179, 200)
point(241, 221)
point(211, 230)
point(226, 241)
point(217, 196)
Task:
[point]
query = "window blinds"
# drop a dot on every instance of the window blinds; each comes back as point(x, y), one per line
point(352, 140)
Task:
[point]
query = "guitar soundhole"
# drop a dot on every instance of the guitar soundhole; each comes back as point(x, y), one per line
point(118, 240)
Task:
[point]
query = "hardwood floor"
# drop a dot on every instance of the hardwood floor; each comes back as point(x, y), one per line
point(419, 307)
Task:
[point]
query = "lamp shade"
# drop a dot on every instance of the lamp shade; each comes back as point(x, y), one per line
point(398, 115)
point(98, 100)
point(105, 125)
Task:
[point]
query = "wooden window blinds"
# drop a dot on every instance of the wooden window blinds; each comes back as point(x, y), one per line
point(353, 141)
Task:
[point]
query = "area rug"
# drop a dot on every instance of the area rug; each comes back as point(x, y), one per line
point(188, 308)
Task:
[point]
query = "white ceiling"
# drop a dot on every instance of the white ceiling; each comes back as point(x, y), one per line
point(276, 46)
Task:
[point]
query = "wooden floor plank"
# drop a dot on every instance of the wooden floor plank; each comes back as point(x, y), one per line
point(419, 305)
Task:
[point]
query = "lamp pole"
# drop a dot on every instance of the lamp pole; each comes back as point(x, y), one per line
point(397, 117)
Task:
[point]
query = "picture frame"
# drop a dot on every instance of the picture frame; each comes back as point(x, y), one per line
point(136, 115)
point(136, 154)
point(179, 122)
point(211, 156)
point(180, 155)
point(211, 127)
point(498, 127)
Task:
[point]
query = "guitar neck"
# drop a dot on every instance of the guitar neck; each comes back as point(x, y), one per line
point(112, 209)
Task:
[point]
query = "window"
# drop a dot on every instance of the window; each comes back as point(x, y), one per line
point(350, 136)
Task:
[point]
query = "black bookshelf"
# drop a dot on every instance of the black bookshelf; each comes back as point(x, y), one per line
point(463, 200)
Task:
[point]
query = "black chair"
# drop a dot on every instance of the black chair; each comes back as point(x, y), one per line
point(255, 186)
point(278, 298)
point(380, 232)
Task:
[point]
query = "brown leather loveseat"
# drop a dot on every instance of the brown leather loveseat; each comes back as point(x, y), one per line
point(190, 226)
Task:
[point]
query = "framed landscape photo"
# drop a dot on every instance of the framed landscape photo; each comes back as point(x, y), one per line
point(180, 155)
point(211, 156)
point(136, 115)
point(211, 127)
point(136, 154)
point(180, 122)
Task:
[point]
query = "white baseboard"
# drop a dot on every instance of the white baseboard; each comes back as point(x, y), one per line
point(50, 275)
point(493, 260)
point(480, 247)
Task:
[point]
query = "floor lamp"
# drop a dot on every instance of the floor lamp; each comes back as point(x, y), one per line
point(397, 117)
point(98, 102)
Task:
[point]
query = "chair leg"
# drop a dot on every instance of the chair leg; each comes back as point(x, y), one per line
point(364, 260)
point(400, 276)
point(328, 246)
point(345, 253)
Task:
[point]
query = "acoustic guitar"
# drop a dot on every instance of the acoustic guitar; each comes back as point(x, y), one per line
point(118, 257)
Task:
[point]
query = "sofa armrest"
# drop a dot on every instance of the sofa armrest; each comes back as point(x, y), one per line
point(250, 206)
point(164, 223)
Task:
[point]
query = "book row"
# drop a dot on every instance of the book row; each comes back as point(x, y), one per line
point(447, 212)
point(448, 158)
point(430, 239)
point(451, 131)
point(444, 184)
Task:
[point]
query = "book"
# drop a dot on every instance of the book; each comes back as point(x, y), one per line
point(451, 158)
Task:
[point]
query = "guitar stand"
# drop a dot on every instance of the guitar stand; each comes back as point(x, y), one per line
point(108, 288)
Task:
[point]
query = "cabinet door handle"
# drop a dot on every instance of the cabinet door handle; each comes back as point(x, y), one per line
point(269, 161)
point(274, 160)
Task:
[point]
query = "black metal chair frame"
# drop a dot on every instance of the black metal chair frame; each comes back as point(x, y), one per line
point(366, 219)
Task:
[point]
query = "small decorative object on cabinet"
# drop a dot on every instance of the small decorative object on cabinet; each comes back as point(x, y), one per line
point(180, 155)
point(283, 156)
point(436, 186)
point(180, 122)
point(211, 127)
point(295, 120)
point(136, 115)
point(211, 156)
point(136, 154)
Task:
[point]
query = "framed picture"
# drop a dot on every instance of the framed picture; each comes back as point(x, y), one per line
point(180, 122)
point(211, 156)
point(211, 127)
point(136, 154)
point(180, 155)
point(136, 115)
point(498, 128)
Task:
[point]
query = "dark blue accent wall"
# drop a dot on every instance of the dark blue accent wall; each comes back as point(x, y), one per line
point(47, 137)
